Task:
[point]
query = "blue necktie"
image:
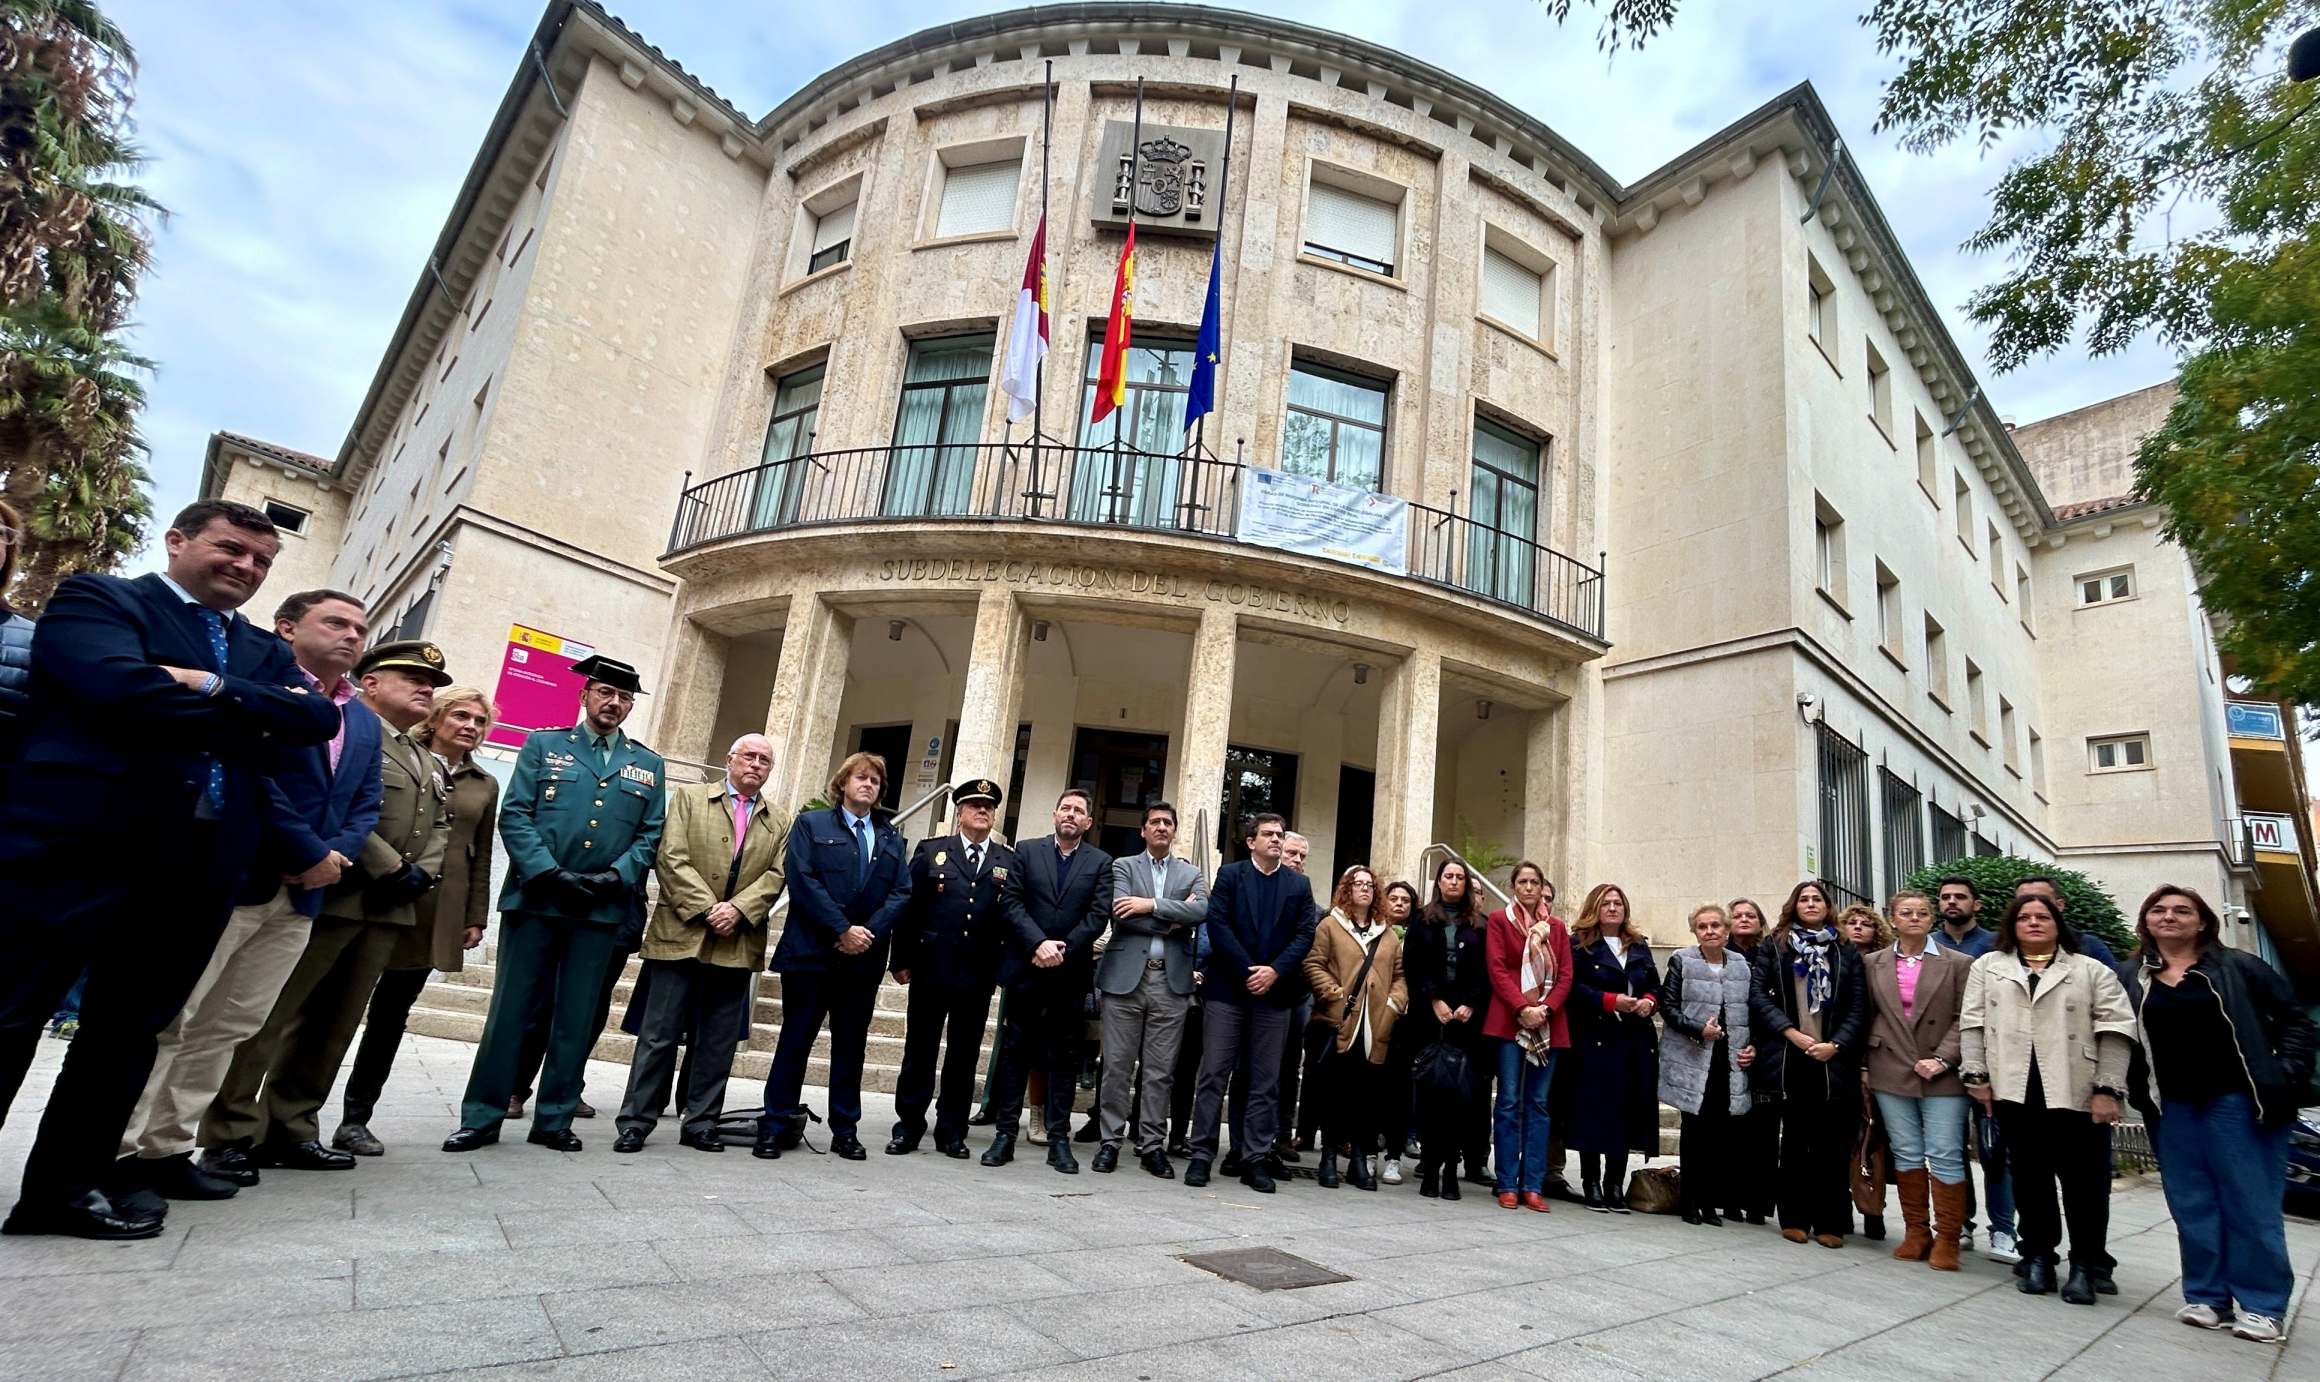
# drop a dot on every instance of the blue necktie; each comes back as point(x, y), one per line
point(862, 837)
point(214, 624)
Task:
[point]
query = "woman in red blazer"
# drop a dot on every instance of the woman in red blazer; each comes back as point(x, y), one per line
point(1529, 951)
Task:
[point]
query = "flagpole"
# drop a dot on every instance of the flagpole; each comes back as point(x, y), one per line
point(1135, 161)
point(1039, 371)
point(1232, 105)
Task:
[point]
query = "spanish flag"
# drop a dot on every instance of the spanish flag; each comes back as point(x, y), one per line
point(1112, 371)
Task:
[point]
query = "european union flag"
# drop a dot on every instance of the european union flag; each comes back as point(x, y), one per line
point(1200, 399)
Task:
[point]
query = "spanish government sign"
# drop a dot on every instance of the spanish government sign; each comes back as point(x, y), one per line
point(537, 687)
point(1314, 517)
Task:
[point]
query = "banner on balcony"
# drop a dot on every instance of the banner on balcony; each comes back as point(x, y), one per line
point(537, 687)
point(1297, 514)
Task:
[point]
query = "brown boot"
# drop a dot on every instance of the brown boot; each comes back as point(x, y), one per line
point(1949, 1216)
point(1917, 1238)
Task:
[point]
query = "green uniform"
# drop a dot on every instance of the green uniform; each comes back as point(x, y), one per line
point(588, 805)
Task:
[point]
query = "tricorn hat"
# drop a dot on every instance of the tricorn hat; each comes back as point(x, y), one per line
point(415, 655)
point(611, 671)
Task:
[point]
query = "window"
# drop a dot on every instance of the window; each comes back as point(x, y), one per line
point(1829, 550)
point(1350, 227)
point(1335, 427)
point(1820, 307)
point(477, 320)
point(1963, 496)
point(1138, 483)
point(1997, 548)
point(1501, 561)
point(518, 252)
point(2106, 587)
point(1844, 793)
point(1928, 473)
point(1513, 293)
point(1880, 391)
point(789, 438)
point(2022, 594)
point(285, 517)
point(937, 426)
point(2038, 764)
point(1936, 662)
point(978, 198)
point(1949, 836)
point(1889, 612)
point(2120, 753)
point(833, 237)
point(1904, 830)
point(1977, 712)
point(2006, 746)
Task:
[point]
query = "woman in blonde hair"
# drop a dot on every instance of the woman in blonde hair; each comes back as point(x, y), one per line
point(1614, 1047)
point(1703, 1070)
point(1529, 952)
point(1355, 968)
point(1915, 993)
point(1752, 1173)
point(1869, 933)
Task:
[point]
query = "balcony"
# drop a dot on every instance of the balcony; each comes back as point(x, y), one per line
point(1114, 489)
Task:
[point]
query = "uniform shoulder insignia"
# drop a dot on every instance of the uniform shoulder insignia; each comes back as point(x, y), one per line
point(941, 857)
point(999, 872)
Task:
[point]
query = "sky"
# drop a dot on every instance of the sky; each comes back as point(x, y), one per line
point(309, 153)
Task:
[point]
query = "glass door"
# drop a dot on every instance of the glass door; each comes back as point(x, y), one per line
point(931, 471)
point(1501, 560)
point(789, 438)
point(1110, 482)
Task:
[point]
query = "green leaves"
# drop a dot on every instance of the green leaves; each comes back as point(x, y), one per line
point(2084, 903)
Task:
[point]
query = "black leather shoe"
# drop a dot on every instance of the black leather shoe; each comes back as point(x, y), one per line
point(1325, 1175)
point(1157, 1164)
point(583, 1109)
point(1196, 1174)
point(231, 1163)
point(1233, 1164)
point(356, 1140)
point(2079, 1289)
point(765, 1148)
point(1059, 1156)
point(2037, 1278)
point(983, 1118)
point(1002, 1150)
point(470, 1139)
point(90, 1215)
point(177, 1178)
point(1107, 1159)
point(899, 1145)
point(1179, 1146)
point(1450, 1189)
point(1256, 1178)
point(630, 1140)
point(560, 1140)
point(309, 1155)
point(710, 1143)
point(955, 1148)
point(136, 1201)
point(847, 1146)
point(2103, 1285)
point(1359, 1175)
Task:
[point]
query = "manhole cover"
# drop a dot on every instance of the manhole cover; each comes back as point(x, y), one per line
point(1267, 1269)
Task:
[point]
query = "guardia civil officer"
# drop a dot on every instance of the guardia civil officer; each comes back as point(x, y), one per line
point(946, 950)
point(581, 822)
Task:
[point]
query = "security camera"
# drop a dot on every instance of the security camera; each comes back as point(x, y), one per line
point(1808, 706)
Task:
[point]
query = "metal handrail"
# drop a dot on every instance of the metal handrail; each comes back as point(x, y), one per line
point(895, 820)
point(1472, 873)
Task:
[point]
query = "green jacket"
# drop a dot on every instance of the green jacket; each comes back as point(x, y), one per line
point(414, 828)
point(564, 810)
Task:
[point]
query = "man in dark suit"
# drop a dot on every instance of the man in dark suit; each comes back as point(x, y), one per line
point(1061, 899)
point(947, 945)
point(156, 716)
point(1260, 924)
point(848, 883)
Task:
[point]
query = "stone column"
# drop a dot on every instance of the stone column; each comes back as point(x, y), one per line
point(1198, 782)
point(994, 691)
point(1546, 798)
point(809, 682)
point(1409, 721)
point(692, 686)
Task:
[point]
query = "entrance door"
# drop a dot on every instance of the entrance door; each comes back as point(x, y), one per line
point(1254, 780)
point(1123, 770)
point(1356, 813)
point(892, 743)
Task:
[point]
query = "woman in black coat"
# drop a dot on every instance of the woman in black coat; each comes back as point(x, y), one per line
point(1449, 979)
point(1809, 1017)
point(1614, 1054)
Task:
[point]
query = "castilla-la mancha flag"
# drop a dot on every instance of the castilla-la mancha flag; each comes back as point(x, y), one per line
point(1027, 338)
point(1112, 371)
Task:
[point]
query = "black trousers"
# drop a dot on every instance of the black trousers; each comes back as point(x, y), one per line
point(1045, 1030)
point(1347, 1089)
point(2050, 1147)
point(1295, 1064)
point(1704, 1148)
point(1314, 1039)
point(383, 1026)
point(1446, 1136)
point(698, 1007)
point(1187, 1081)
point(535, 1049)
point(845, 997)
point(948, 1019)
point(75, 907)
point(1819, 1121)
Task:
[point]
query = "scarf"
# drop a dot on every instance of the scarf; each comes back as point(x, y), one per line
point(1813, 962)
point(1538, 979)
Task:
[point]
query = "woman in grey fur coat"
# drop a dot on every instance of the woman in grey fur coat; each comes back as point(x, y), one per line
point(1703, 1063)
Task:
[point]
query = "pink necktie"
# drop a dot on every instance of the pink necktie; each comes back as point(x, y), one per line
point(740, 823)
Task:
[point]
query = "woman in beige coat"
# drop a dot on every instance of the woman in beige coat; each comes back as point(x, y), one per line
point(1355, 970)
point(1915, 993)
point(2046, 1034)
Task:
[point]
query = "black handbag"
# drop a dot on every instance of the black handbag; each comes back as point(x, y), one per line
point(1442, 1079)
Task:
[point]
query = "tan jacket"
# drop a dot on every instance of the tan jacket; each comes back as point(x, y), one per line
point(1331, 964)
point(697, 870)
point(463, 899)
point(414, 828)
point(1897, 1042)
point(2079, 1024)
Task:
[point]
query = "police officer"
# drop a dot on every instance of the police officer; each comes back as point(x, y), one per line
point(946, 950)
point(581, 821)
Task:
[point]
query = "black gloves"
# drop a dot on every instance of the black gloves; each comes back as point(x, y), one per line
point(396, 889)
point(571, 888)
point(605, 885)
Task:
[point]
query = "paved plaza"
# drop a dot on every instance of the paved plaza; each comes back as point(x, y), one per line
point(517, 1262)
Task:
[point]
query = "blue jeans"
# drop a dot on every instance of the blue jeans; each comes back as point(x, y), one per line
point(70, 1010)
point(2224, 1174)
point(1518, 1120)
point(1927, 1133)
point(1990, 1150)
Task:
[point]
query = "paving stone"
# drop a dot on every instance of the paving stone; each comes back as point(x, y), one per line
point(906, 1288)
point(549, 1228)
point(949, 1343)
point(388, 1280)
point(1142, 1318)
point(21, 1257)
point(79, 1358)
point(634, 1316)
point(348, 1347)
point(696, 1360)
point(89, 1303)
point(946, 1242)
point(709, 1257)
point(219, 1246)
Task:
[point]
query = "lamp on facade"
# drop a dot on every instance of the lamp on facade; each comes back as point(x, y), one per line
point(1482, 710)
point(1361, 674)
point(894, 630)
point(1039, 630)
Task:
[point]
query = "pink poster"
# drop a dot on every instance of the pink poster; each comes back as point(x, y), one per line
point(537, 687)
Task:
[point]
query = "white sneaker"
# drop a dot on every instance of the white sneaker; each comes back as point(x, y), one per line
point(1392, 1174)
point(2259, 1329)
point(2200, 1316)
point(2001, 1248)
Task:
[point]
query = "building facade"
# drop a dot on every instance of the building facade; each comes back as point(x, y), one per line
point(1712, 568)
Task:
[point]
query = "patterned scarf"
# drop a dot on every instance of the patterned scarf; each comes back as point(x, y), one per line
point(1813, 962)
point(1538, 979)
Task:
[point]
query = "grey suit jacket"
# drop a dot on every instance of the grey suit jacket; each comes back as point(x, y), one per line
point(1181, 900)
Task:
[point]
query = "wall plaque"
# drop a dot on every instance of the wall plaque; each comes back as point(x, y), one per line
point(1172, 179)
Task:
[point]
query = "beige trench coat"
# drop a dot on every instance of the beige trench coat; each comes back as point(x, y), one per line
point(697, 869)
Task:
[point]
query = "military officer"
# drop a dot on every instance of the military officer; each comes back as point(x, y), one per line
point(267, 1111)
point(581, 822)
point(946, 950)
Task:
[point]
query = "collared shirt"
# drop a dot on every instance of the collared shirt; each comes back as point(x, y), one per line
point(187, 595)
point(341, 691)
point(604, 745)
point(865, 831)
point(1159, 947)
point(1906, 968)
point(743, 807)
point(1974, 944)
point(975, 851)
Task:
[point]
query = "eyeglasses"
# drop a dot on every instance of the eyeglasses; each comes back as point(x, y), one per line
point(8, 535)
